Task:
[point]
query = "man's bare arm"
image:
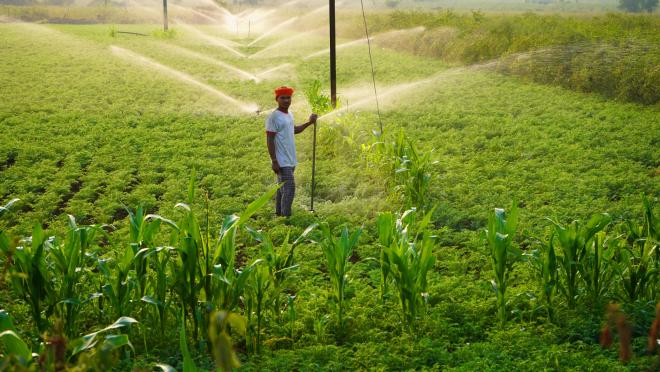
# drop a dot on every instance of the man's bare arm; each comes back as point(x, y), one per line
point(300, 128)
point(270, 142)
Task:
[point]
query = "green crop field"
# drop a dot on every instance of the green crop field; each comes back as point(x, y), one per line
point(137, 229)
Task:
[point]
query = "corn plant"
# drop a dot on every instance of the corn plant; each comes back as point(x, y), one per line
point(639, 259)
point(409, 169)
point(207, 267)
point(68, 259)
point(406, 258)
point(12, 342)
point(387, 227)
point(499, 238)
point(118, 286)
point(91, 350)
point(7, 246)
point(257, 296)
point(142, 231)
point(595, 268)
point(572, 242)
point(280, 262)
point(337, 251)
point(159, 283)
point(221, 324)
point(31, 278)
point(188, 364)
point(545, 262)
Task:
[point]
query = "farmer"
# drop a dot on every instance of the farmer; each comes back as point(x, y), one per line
point(280, 129)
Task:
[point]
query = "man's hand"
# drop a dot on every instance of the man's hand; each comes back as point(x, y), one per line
point(312, 118)
point(276, 166)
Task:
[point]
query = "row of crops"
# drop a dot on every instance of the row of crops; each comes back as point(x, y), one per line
point(174, 273)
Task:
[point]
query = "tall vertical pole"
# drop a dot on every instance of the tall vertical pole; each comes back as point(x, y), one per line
point(165, 15)
point(333, 56)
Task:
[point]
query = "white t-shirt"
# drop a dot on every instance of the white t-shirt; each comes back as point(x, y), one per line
point(282, 125)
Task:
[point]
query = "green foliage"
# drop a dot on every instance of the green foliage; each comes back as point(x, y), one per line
point(545, 261)
point(638, 264)
point(219, 334)
point(319, 102)
point(188, 364)
point(499, 238)
point(31, 279)
point(69, 259)
point(573, 242)
point(406, 258)
point(165, 34)
point(563, 154)
point(12, 343)
point(337, 251)
point(611, 54)
point(409, 169)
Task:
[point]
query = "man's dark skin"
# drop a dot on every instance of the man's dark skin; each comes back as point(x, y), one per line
point(283, 103)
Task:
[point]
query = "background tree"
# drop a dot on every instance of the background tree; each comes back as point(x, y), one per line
point(638, 5)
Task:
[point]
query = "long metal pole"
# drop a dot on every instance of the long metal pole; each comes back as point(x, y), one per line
point(165, 15)
point(333, 92)
point(311, 206)
point(333, 56)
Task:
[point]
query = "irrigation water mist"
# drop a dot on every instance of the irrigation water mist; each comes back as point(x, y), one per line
point(187, 52)
point(274, 30)
point(183, 77)
point(286, 42)
point(390, 96)
point(265, 73)
point(382, 36)
point(213, 21)
point(216, 41)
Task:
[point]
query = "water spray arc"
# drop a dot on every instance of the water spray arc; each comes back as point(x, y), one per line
point(182, 76)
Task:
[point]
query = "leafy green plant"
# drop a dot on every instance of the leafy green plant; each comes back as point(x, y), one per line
point(595, 268)
point(31, 278)
point(573, 241)
point(545, 262)
point(70, 269)
point(118, 286)
point(499, 237)
point(409, 169)
point(208, 267)
point(222, 323)
point(12, 342)
point(92, 350)
point(639, 257)
point(337, 251)
point(320, 103)
point(406, 258)
point(257, 296)
point(159, 283)
point(281, 262)
point(188, 364)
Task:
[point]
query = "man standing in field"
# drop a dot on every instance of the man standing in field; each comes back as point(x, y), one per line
point(280, 130)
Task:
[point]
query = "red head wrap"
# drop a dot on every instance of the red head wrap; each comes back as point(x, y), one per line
point(283, 91)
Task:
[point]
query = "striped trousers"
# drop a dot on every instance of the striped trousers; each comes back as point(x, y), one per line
point(285, 194)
